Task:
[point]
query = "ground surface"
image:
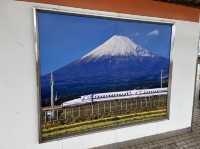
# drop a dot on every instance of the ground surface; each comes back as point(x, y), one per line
point(186, 139)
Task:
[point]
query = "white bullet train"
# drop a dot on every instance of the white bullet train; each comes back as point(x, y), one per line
point(116, 95)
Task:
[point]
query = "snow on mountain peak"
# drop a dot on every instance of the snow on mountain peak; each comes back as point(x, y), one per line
point(117, 46)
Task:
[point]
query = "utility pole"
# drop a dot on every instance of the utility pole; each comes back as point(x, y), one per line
point(52, 91)
point(52, 95)
point(161, 78)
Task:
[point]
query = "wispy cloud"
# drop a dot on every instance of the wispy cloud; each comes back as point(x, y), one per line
point(153, 33)
point(137, 34)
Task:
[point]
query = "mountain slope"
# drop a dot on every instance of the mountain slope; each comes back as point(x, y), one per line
point(117, 46)
point(118, 64)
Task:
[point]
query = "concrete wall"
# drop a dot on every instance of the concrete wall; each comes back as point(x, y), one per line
point(18, 88)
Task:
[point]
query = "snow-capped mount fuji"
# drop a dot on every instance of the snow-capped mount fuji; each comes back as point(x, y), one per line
point(115, 65)
point(117, 45)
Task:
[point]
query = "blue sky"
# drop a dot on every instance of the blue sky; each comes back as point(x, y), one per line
point(64, 38)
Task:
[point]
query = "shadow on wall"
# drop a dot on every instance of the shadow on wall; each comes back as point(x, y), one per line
point(191, 3)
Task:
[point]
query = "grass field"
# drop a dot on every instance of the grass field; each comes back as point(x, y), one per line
point(102, 123)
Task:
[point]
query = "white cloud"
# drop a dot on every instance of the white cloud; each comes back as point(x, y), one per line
point(137, 34)
point(153, 33)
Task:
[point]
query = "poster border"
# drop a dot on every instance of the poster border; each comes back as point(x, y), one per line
point(99, 14)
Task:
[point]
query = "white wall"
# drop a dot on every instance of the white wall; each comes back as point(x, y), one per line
point(18, 96)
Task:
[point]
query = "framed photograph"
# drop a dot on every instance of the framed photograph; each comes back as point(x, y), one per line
point(100, 71)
